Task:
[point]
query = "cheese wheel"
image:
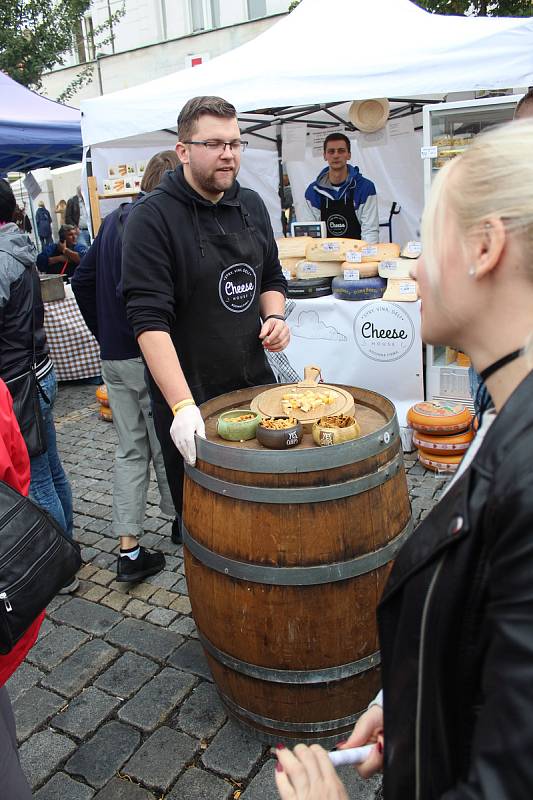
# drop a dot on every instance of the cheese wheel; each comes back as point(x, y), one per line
point(316, 287)
point(290, 265)
point(363, 289)
point(380, 252)
point(101, 395)
point(105, 413)
point(332, 249)
point(443, 418)
point(447, 463)
point(293, 246)
point(456, 444)
point(395, 268)
point(367, 270)
point(317, 269)
point(401, 290)
point(412, 250)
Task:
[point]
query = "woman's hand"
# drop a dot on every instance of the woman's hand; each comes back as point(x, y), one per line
point(306, 773)
point(368, 729)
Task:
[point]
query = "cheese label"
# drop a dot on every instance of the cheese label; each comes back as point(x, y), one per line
point(414, 248)
point(351, 274)
point(331, 247)
point(392, 265)
point(407, 287)
point(353, 257)
point(286, 273)
point(429, 152)
point(308, 266)
point(369, 250)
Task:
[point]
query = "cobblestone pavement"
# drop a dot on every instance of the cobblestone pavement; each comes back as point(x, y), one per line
point(115, 701)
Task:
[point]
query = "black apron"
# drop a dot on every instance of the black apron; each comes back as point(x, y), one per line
point(217, 335)
point(340, 217)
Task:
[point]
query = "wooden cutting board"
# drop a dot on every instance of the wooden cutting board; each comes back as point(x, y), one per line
point(269, 403)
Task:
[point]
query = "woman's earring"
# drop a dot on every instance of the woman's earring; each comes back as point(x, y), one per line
point(472, 272)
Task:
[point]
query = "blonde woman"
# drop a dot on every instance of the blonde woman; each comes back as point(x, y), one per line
point(456, 617)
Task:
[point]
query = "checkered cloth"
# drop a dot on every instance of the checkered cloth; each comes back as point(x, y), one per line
point(73, 349)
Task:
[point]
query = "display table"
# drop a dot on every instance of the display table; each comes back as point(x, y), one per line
point(73, 349)
point(372, 344)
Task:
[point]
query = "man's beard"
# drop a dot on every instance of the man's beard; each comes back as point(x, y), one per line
point(214, 181)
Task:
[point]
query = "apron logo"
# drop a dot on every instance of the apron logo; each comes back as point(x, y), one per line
point(237, 287)
point(337, 224)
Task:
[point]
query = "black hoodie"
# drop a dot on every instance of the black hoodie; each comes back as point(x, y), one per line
point(163, 246)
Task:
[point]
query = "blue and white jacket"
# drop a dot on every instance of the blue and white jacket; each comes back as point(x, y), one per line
point(364, 198)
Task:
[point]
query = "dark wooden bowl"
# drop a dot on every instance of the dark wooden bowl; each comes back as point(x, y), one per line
point(282, 439)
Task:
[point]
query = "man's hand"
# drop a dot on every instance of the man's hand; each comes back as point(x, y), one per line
point(275, 335)
point(61, 246)
point(187, 422)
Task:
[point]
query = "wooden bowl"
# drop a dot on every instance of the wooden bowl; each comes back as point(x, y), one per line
point(238, 431)
point(325, 434)
point(280, 439)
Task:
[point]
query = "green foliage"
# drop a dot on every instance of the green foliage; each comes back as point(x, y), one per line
point(36, 34)
point(293, 5)
point(492, 8)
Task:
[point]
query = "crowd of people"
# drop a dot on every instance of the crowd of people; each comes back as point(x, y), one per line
point(157, 288)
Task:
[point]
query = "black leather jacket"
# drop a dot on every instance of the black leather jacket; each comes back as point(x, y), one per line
point(17, 272)
point(456, 629)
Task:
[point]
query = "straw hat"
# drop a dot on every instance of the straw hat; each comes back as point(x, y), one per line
point(369, 115)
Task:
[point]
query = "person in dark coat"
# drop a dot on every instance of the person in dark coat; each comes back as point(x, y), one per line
point(44, 225)
point(456, 615)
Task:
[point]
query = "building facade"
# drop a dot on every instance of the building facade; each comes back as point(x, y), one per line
point(154, 38)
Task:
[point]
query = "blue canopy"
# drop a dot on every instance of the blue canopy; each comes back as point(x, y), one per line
point(34, 131)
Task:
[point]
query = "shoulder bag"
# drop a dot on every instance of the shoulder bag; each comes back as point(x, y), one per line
point(36, 561)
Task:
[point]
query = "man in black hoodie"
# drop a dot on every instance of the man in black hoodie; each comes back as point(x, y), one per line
point(202, 280)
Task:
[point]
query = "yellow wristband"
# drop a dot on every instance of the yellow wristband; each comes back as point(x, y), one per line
point(182, 404)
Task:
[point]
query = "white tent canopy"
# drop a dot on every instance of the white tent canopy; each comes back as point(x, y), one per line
point(393, 49)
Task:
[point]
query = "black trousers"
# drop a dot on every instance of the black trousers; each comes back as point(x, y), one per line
point(12, 779)
point(172, 458)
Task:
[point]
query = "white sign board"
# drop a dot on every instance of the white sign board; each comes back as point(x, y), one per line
point(372, 344)
point(31, 186)
point(293, 138)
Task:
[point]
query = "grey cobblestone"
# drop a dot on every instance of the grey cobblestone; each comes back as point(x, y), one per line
point(104, 754)
point(161, 758)
point(233, 752)
point(118, 789)
point(263, 787)
point(190, 658)
point(161, 616)
point(75, 672)
point(33, 708)
point(127, 675)
point(59, 644)
point(90, 617)
point(197, 784)
point(42, 754)
point(61, 787)
point(202, 714)
point(85, 713)
point(156, 701)
point(143, 638)
point(23, 679)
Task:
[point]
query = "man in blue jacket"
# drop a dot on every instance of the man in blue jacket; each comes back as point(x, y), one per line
point(97, 287)
point(341, 197)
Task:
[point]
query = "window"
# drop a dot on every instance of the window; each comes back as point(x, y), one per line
point(79, 43)
point(197, 15)
point(256, 9)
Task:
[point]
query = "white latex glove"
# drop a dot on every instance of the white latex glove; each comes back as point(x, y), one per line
point(186, 423)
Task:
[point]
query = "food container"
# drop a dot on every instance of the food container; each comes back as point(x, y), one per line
point(282, 438)
point(335, 430)
point(52, 288)
point(238, 425)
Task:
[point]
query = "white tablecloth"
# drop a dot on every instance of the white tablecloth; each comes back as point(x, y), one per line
point(372, 344)
point(73, 349)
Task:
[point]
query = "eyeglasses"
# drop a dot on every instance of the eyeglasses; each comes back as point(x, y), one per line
point(216, 146)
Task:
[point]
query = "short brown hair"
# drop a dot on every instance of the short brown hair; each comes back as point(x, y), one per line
point(196, 107)
point(335, 137)
point(526, 99)
point(156, 167)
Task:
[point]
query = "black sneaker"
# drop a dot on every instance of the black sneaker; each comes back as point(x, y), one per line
point(134, 570)
point(176, 536)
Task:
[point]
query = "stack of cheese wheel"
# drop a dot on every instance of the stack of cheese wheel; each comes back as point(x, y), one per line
point(442, 434)
point(364, 259)
point(104, 411)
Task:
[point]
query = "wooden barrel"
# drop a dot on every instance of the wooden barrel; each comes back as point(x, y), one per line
point(286, 555)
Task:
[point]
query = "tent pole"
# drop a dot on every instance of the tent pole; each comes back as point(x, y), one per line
point(280, 179)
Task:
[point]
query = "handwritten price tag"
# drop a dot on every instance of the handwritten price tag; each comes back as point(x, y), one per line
point(353, 256)
point(414, 248)
point(286, 273)
point(407, 287)
point(308, 266)
point(331, 247)
point(370, 250)
point(351, 274)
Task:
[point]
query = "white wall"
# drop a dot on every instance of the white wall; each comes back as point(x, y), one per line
point(123, 70)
